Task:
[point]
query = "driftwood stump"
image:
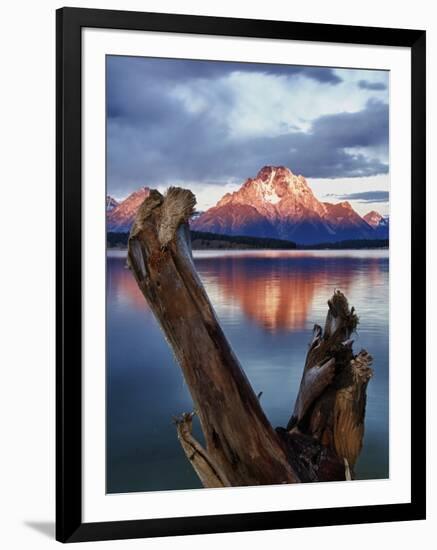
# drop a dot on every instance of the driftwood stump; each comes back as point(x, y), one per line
point(324, 435)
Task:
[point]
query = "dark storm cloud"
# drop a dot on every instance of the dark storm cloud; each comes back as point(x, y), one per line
point(366, 196)
point(367, 85)
point(153, 139)
point(138, 88)
point(177, 70)
point(366, 128)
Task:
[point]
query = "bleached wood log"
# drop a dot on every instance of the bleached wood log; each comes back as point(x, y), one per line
point(239, 438)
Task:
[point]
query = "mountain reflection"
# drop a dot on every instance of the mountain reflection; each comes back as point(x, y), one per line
point(267, 302)
point(121, 285)
point(276, 291)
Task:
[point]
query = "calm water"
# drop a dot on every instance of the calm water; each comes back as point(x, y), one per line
point(267, 302)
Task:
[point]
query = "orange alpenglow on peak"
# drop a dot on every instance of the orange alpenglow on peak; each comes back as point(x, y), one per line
point(277, 204)
point(120, 218)
point(373, 218)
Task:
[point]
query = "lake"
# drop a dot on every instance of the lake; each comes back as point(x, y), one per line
point(267, 303)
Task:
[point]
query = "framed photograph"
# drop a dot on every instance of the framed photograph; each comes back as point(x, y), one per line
point(240, 274)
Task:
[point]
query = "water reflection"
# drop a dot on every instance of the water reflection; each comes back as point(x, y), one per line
point(275, 294)
point(122, 288)
point(267, 303)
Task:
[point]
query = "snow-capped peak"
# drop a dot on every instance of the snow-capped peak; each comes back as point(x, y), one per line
point(266, 189)
point(111, 203)
point(373, 218)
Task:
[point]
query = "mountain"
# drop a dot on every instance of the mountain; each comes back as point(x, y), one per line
point(120, 218)
point(111, 203)
point(379, 223)
point(373, 218)
point(279, 204)
point(276, 204)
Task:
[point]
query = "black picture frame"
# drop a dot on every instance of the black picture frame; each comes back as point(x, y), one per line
point(69, 24)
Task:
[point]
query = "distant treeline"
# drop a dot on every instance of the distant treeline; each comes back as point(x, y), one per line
point(204, 241)
point(117, 240)
point(201, 239)
point(340, 245)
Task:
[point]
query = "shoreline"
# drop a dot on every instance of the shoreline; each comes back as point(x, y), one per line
point(272, 254)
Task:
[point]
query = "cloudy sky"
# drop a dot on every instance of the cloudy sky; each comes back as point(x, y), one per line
point(209, 125)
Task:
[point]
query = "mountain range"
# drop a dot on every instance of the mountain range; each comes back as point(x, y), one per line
point(379, 223)
point(111, 203)
point(275, 204)
point(120, 215)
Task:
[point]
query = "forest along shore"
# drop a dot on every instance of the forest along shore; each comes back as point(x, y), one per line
point(212, 241)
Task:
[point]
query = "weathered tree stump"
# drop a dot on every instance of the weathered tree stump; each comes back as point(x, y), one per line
point(324, 435)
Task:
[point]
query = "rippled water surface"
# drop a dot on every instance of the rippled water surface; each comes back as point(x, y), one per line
point(267, 303)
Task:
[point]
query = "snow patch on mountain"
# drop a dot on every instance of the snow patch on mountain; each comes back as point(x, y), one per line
point(284, 206)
